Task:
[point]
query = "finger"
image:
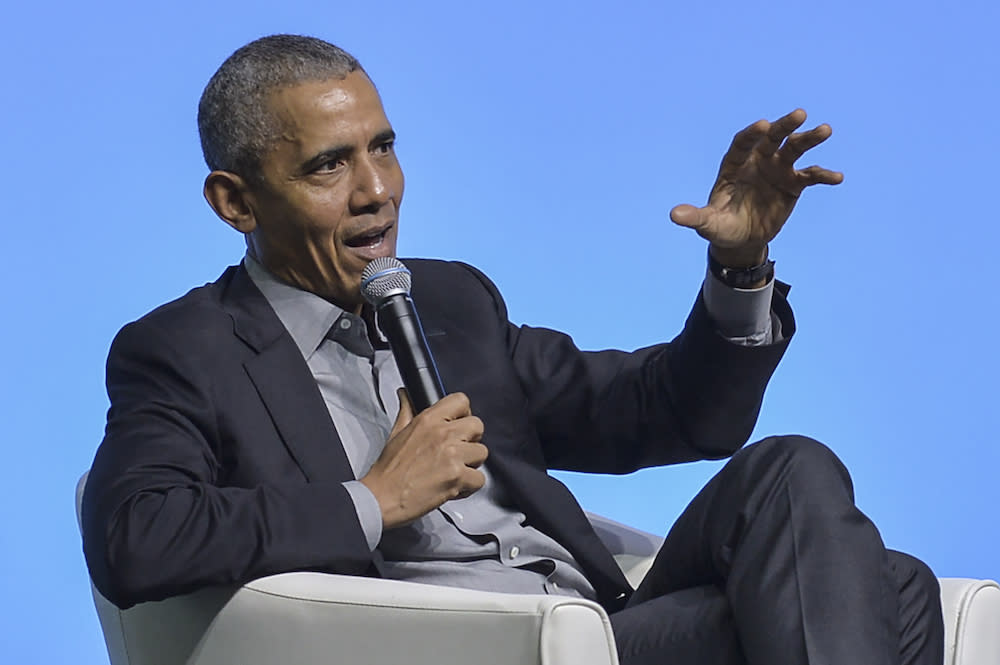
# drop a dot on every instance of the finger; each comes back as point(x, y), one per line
point(470, 428)
point(779, 130)
point(743, 143)
point(817, 175)
point(405, 414)
point(471, 481)
point(451, 407)
point(474, 454)
point(689, 216)
point(798, 144)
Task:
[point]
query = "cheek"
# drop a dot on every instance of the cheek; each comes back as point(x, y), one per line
point(399, 183)
point(321, 217)
point(304, 231)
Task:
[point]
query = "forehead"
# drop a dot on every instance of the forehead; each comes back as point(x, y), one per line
point(313, 109)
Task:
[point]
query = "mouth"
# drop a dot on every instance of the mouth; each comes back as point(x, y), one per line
point(369, 239)
point(372, 243)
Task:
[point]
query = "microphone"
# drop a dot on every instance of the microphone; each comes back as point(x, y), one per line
point(385, 283)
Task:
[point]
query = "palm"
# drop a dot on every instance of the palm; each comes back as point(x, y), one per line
point(758, 185)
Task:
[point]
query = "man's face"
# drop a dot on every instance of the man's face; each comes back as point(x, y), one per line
point(331, 190)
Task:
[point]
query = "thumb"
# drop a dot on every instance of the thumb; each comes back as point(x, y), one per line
point(688, 215)
point(405, 414)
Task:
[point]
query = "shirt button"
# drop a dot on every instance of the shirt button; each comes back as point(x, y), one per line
point(514, 551)
point(458, 516)
point(345, 324)
point(555, 585)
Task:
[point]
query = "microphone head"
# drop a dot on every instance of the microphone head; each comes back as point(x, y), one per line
point(383, 277)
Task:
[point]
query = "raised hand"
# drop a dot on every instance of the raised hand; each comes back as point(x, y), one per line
point(429, 458)
point(756, 189)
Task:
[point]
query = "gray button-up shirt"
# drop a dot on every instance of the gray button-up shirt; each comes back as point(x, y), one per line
point(481, 541)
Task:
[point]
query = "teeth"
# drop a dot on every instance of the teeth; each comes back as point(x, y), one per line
point(373, 240)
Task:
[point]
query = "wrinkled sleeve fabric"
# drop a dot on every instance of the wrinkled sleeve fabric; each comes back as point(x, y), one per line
point(743, 316)
point(368, 511)
point(695, 397)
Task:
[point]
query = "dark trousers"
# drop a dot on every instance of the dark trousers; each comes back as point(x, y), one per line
point(772, 564)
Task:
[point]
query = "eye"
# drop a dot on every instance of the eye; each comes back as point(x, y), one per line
point(385, 147)
point(330, 166)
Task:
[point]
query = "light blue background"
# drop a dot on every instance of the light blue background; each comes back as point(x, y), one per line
point(545, 143)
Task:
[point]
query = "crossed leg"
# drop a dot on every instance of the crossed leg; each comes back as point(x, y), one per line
point(772, 564)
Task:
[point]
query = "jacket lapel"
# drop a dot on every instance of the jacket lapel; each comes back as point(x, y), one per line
point(285, 384)
point(289, 392)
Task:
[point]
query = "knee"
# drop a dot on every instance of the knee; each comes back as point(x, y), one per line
point(803, 461)
point(796, 450)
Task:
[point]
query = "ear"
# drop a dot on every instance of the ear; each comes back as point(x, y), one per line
point(228, 194)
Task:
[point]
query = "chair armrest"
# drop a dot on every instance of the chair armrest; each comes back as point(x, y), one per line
point(971, 621)
point(307, 618)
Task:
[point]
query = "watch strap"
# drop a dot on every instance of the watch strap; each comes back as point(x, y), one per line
point(741, 278)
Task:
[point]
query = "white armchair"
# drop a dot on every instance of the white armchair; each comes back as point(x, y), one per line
point(315, 618)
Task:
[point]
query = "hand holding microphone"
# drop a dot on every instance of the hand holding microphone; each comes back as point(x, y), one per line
point(434, 450)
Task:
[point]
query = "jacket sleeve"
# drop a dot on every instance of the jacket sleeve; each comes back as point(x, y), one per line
point(159, 517)
point(696, 397)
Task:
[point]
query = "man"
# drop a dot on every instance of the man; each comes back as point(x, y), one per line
point(257, 424)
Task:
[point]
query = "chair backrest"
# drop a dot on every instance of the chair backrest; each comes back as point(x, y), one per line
point(167, 631)
point(634, 550)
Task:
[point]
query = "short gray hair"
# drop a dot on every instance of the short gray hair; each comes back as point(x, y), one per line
point(234, 120)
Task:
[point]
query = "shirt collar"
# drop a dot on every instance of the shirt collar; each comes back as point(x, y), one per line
point(306, 316)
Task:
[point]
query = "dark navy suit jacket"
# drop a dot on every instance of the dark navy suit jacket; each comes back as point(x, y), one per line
point(220, 463)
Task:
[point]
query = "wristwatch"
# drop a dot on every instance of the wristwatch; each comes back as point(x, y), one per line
point(741, 278)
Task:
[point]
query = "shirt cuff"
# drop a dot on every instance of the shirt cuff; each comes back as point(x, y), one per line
point(369, 513)
point(743, 316)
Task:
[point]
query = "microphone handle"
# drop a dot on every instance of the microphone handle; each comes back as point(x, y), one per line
point(397, 318)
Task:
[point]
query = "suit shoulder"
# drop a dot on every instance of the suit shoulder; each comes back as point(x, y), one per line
point(456, 276)
point(197, 312)
point(455, 290)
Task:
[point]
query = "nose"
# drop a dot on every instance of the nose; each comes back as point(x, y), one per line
point(372, 186)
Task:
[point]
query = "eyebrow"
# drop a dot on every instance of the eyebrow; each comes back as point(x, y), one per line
point(384, 136)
